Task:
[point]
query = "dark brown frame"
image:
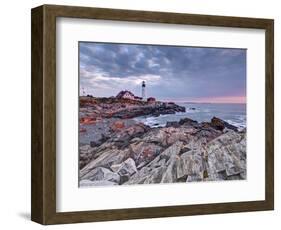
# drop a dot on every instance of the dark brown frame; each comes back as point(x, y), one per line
point(43, 188)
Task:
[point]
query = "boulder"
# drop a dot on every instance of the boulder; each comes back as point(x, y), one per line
point(220, 124)
point(174, 124)
point(187, 121)
point(217, 123)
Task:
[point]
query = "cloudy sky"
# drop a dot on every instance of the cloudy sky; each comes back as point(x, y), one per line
point(171, 73)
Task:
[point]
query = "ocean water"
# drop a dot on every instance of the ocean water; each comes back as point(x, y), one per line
point(234, 114)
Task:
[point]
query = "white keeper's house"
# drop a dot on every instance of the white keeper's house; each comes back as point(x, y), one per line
point(126, 94)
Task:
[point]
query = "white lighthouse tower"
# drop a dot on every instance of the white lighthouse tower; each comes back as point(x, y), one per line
point(143, 93)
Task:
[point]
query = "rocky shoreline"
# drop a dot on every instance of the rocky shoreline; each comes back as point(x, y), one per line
point(116, 150)
point(92, 109)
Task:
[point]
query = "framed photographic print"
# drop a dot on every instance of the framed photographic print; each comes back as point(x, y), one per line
point(141, 114)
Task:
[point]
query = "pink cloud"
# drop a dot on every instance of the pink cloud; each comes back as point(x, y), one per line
point(234, 99)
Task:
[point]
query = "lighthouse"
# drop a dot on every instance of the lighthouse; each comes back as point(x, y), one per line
point(143, 91)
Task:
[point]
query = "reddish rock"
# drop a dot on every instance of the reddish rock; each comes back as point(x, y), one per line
point(147, 152)
point(144, 152)
point(87, 120)
point(136, 129)
point(98, 119)
point(118, 125)
point(83, 130)
point(205, 125)
point(108, 114)
point(151, 100)
point(87, 101)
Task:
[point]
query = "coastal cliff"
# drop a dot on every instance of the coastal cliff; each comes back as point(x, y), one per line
point(98, 108)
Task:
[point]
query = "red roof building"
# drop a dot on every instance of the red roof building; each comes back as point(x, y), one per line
point(151, 100)
point(125, 94)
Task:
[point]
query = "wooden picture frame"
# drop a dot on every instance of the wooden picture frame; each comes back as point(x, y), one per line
point(43, 205)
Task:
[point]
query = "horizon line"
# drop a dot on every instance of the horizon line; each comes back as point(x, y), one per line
point(209, 102)
point(214, 100)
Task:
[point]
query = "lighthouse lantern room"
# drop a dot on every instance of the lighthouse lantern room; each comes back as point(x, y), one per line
point(143, 91)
